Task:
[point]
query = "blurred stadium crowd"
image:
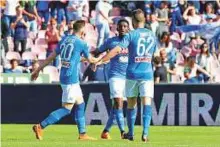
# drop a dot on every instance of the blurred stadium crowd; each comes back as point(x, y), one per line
point(31, 30)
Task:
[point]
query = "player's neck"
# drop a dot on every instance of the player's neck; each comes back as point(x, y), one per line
point(139, 26)
point(77, 34)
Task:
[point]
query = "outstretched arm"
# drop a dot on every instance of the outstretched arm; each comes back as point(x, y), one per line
point(112, 53)
point(35, 74)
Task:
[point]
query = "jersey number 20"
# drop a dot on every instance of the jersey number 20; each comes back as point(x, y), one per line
point(144, 45)
point(66, 51)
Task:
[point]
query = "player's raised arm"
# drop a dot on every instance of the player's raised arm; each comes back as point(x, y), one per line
point(35, 73)
point(112, 53)
point(116, 50)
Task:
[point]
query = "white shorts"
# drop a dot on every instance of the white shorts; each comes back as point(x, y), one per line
point(71, 92)
point(135, 87)
point(117, 88)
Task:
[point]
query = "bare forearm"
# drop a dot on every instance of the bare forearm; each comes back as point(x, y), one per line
point(35, 12)
point(105, 17)
point(47, 61)
point(28, 14)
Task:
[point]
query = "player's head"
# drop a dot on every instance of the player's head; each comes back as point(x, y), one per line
point(138, 18)
point(79, 28)
point(123, 27)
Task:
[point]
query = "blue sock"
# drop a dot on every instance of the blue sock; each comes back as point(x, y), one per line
point(131, 118)
point(147, 113)
point(110, 121)
point(80, 118)
point(120, 119)
point(54, 117)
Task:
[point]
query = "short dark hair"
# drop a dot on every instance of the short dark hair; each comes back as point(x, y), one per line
point(123, 20)
point(157, 60)
point(13, 60)
point(78, 25)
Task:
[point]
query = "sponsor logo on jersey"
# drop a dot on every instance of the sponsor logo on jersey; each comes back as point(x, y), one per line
point(143, 59)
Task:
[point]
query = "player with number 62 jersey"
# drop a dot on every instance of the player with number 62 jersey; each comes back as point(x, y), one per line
point(142, 45)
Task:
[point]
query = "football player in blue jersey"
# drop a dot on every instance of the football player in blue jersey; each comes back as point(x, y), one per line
point(141, 44)
point(117, 78)
point(70, 48)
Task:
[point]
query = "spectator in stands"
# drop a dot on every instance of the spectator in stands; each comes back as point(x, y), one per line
point(103, 8)
point(43, 12)
point(191, 17)
point(176, 15)
point(9, 15)
point(62, 28)
point(14, 67)
point(52, 37)
point(190, 63)
point(4, 41)
point(154, 25)
point(209, 15)
point(75, 10)
point(198, 79)
point(193, 48)
point(70, 28)
point(58, 10)
point(170, 66)
point(160, 73)
point(165, 43)
point(162, 17)
point(182, 5)
point(20, 25)
point(86, 10)
point(204, 60)
point(30, 10)
point(195, 4)
point(147, 7)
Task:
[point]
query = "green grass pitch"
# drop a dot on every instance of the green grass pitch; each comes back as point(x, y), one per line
point(13, 135)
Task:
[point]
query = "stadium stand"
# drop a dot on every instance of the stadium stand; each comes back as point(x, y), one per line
point(180, 43)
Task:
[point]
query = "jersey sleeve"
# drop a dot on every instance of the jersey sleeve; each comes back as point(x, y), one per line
point(125, 41)
point(85, 51)
point(104, 47)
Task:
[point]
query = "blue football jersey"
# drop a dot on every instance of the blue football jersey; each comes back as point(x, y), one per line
point(141, 44)
point(119, 63)
point(70, 49)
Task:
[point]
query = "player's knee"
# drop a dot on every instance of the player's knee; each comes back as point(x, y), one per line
point(132, 103)
point(67, 106)
point(118, 103)
point(146, 100)
point(79, 100)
